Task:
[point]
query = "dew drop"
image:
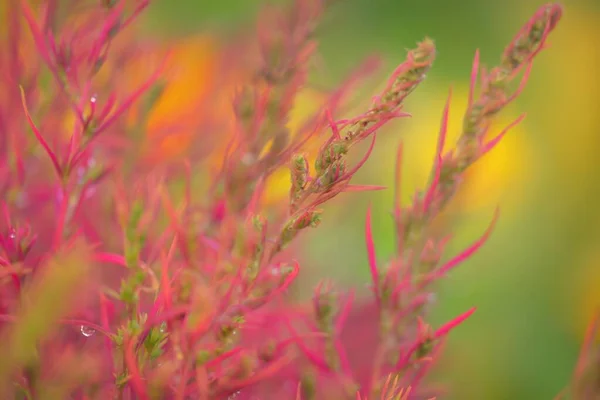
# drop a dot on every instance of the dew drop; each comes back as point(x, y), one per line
point(87, 331)
point(234, 395)
point(12, 234)
point(163, 327)
point(94, 99)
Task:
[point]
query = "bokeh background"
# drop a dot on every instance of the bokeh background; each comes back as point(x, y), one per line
point(537, 281)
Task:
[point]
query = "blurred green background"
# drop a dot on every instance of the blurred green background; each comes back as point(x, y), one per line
point(538, 279)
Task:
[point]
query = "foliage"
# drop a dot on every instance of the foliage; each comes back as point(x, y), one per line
point(122, 277)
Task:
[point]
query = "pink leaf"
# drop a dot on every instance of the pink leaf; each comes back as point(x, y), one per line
point(363, 188)
point(40, 138)
point(349, 174)
point(438, 162)
point(591, 333)
point(448, 326)
point(468, 252)
point(372, 257)
point(474, 73)
point(493, 142)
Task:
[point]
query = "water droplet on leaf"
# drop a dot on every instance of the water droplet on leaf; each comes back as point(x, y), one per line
point(87, 331)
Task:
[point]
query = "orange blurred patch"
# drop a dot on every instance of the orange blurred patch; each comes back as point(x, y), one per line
point(188, 95)
point(196, 91)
